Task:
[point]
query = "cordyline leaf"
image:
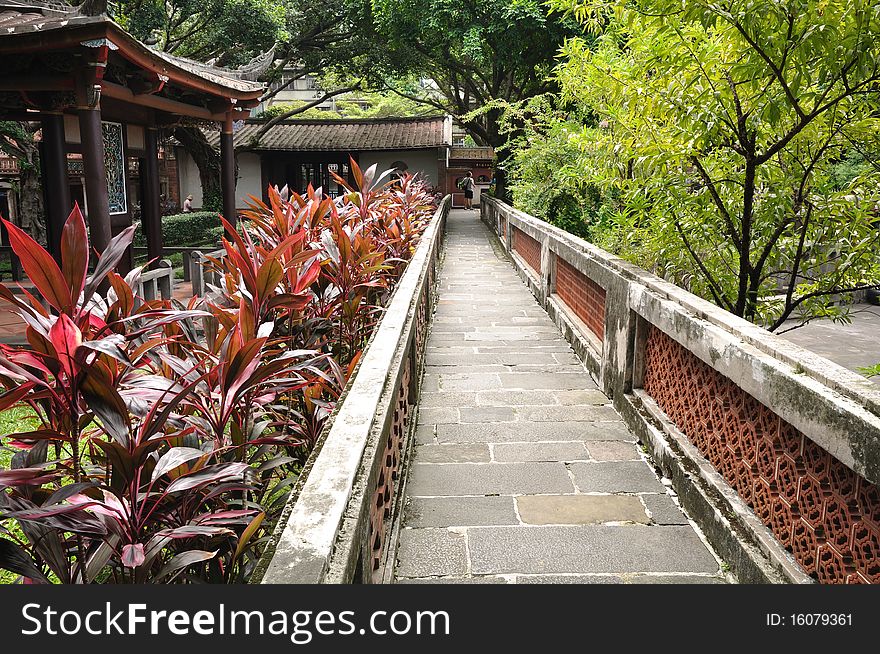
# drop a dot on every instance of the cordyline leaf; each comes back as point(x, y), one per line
point(241, 367)
point(108, 406)
point(111, 346)
point(12, 369)
point(192, 531)
point(66, 339)
point(133, 555)
point(25, 477)
point(248, 533)
point(66, 517)
point(268, 277)
point(212, 474)
point(36, 315)
point(232, 516)
point(174, 458)
point(16, 560)
point(183, 560)
point(110, 257)
point(308, 276)
point(124, 295)
point(39, 435)
point(289, 301)
point(68, 491)
point(100, 557)
point(40, 268)
point(14, 396)
point(75, 252)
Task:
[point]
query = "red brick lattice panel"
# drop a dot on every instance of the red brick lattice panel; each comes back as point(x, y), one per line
point(582, 295)
point(383, 499)
point(389, 473)
point(528, 248)
point(825, 514)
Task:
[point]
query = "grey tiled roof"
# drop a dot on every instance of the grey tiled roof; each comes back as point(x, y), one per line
point(345, 135)
point(22, 17)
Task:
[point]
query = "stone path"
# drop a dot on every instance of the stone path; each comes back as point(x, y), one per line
point(522, 471)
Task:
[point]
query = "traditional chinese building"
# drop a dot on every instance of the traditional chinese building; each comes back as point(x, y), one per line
point(297, 153)
point(462, 159)
point(101, 98)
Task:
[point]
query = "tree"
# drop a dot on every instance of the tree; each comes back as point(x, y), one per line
point(17, 141)
point(227, 32)
point(474, 53)
point(724, 122)
point(303, 37)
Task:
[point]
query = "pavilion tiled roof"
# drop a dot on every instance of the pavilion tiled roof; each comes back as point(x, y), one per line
point(20, 18)
point(352, 135)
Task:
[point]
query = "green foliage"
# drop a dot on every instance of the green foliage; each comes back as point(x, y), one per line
point(187, 229)
point(546, 179)
point(231, 32)
point(473, 53)
point(725, 137)
point(167, 439)
point(372, 104)
point(309, 114)
point(384, 105)
point(871, 371)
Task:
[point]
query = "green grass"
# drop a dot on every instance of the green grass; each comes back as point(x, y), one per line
point(12, 421)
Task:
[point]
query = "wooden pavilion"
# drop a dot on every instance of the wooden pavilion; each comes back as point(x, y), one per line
point(101, 94)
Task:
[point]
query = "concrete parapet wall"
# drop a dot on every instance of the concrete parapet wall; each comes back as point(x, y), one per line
point(336, 526)
point(793, 446)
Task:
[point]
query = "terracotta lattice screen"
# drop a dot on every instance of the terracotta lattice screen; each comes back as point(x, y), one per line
point(528, 248)
point(582, 295)
point(819, 509)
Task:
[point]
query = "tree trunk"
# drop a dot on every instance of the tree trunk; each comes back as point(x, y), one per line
point(31, 212)
point(746, 302)
point(496, 140)
point(207, 160)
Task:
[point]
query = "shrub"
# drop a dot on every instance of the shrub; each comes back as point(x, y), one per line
point(186, 229)
point(165, 453)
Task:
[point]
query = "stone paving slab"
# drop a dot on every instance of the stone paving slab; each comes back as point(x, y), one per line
point(518, 432)
point(586, 413)
point(522, 471)
point(452, 453)
point(580, 509)
point(461, 511)
point(453, 580)
point(663, 510)
point(456, 479)
point(431, 552)
point(511, 452)
point(615, 477)
point(614, 579)
point(472, 414)
point(613, 451)
point(594, 548)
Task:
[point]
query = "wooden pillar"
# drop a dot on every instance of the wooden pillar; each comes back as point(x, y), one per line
point(227, 170)
point(151, 211)
point(95, 176)
point(56, 188)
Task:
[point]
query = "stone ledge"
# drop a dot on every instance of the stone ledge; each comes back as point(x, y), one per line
point(834, 407)
point(594, 261)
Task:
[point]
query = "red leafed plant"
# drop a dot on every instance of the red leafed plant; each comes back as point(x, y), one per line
point(169, 437)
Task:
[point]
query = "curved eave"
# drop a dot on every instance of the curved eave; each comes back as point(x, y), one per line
point(79, 29)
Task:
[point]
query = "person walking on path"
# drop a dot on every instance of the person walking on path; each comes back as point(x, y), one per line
point(188, 204)
point(468, 184)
